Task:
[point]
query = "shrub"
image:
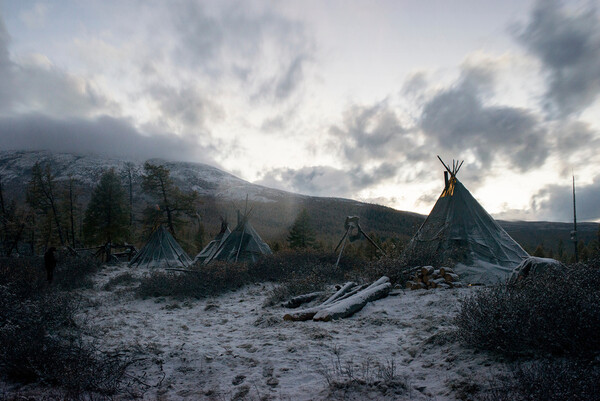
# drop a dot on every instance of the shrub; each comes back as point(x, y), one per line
point(294, 286)
point(40, 339)
point(287, 264)
point(74, 272)
point(395, 269)
point(549, 380)
point(200, 282)
point(299, 272)
point(121, 279)
point(26, 276)
point(556, 314)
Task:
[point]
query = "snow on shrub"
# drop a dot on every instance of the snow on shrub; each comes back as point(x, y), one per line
point(550, 313)
point(41, 340)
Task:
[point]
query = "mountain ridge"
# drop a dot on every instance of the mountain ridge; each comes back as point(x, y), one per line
point(273, 209)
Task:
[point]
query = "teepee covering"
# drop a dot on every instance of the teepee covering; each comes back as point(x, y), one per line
point(242, 245)
point(209, 250)
point(161, 250)
point(460, 230)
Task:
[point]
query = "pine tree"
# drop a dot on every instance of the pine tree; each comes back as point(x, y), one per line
point(172, 204)
point(301, 233)
point(107, 215)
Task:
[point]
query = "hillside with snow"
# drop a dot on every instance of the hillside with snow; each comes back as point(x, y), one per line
point(273, 210)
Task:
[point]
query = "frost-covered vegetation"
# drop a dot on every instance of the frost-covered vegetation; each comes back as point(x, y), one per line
point(42, 339)
point(549, 325)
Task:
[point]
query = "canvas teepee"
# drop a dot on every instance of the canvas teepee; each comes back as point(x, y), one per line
point(242, 245)
point(209, 250)
point(459, 229)
point(161, 250)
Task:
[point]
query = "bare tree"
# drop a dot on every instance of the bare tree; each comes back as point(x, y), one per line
point(41, 195)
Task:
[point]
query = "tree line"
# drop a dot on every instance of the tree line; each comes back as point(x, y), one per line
point(53, 213)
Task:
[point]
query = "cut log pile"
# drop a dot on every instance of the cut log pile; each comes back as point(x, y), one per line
point(344, 303)
point(427, 277)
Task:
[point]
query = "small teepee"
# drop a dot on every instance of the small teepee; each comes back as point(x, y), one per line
point(458, 229)
point(209, 250)
point(161, 250)
point(243, 244)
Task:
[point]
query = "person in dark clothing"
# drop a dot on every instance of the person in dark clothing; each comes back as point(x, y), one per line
point(50, 263)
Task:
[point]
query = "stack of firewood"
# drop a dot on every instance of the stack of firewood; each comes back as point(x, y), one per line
point(427, 277)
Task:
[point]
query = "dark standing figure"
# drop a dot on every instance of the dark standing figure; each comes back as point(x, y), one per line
point(50, 263)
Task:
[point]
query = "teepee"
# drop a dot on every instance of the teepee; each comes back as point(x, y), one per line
point(458, 229)
point(161, 250)
point(243, 244)
point(209, 250)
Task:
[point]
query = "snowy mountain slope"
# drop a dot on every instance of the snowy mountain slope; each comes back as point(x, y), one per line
point(15, 168)
point(273, 210)
point(221, 193)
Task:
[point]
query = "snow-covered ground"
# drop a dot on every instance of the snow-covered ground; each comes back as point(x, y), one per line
point(231, 347)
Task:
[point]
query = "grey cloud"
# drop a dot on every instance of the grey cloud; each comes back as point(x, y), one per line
point(554, 202)
point(415, 84)
point(4, 41)
point(104, 135)
point(326, 180)
point(575, 135)
point(568, 44)
point(290, 80)
point(200, 35)
point(31, 87)
point(458, 120)
point(185, 105)
point(6, 84)
point(245, 43)
point(373, 133)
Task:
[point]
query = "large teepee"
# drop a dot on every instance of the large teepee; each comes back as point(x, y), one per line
point(209, 250)
point(242, 245)
point(161, 250)
point(459, 230)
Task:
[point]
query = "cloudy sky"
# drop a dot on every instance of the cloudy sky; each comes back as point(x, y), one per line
point(332, 98)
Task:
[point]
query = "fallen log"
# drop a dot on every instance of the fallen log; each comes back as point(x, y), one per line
point(345, 288)
point(349, 294)
point(353, 304)
point(296, 301)
point(445, 270)
point(302, 315)
point(377, 283)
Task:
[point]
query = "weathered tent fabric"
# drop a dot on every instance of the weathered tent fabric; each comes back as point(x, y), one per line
point(242, 245)
point(161, 250)
point(460, 229)
point(209, 250)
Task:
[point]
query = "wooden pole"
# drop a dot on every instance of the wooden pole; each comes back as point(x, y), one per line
point(447, 168)
point(370, 240)
point(342, 250)
point(343, 238)
point(574, 233)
